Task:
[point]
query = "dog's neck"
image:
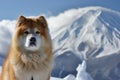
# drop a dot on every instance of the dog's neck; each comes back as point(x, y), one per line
point(33, 57)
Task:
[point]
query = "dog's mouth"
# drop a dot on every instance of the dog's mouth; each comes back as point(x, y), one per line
point(32, 44)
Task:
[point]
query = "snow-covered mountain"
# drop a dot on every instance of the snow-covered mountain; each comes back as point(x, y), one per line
point(91, 34)
point(95, 33)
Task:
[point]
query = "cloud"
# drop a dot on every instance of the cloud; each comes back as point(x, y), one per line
point(63, 19)
point(7, 27)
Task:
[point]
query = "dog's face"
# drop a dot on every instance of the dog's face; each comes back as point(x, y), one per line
point(32, 39)
point(31, 33)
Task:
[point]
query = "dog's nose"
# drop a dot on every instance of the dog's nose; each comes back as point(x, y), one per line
point(33, 39)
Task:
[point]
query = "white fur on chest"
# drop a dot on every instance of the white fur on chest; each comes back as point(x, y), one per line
point(32, 66)
point(38, 75)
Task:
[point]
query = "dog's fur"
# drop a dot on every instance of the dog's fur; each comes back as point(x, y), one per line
point(27, 64)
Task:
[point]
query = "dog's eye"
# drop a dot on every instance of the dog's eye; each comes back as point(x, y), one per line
point(26, 32)
point(37, 32)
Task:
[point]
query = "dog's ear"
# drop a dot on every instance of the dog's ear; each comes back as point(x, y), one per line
point(42, 21)
point(21, 20)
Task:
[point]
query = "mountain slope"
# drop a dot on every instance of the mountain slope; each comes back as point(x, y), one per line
point(93, 34)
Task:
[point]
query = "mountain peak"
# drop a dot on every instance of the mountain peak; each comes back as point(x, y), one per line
point(99, 8)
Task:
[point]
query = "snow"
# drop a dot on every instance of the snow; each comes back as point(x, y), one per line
point(78, 35)
point(68, 77)
point(82, 74)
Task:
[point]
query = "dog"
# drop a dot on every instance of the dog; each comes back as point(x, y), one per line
point(30, 55)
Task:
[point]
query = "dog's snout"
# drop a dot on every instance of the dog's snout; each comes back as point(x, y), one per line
point(33, 39)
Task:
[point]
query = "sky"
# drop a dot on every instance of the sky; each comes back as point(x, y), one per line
point(11, 9)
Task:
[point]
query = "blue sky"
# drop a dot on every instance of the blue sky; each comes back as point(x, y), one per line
point(11, 9)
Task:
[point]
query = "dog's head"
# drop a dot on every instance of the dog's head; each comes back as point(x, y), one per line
point(31, 33)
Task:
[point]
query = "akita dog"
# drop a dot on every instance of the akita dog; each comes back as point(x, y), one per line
point(30, 55)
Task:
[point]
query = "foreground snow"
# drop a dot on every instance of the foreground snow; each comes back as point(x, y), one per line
point(82, 74)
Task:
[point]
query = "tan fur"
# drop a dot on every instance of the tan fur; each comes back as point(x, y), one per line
point(21, 64)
